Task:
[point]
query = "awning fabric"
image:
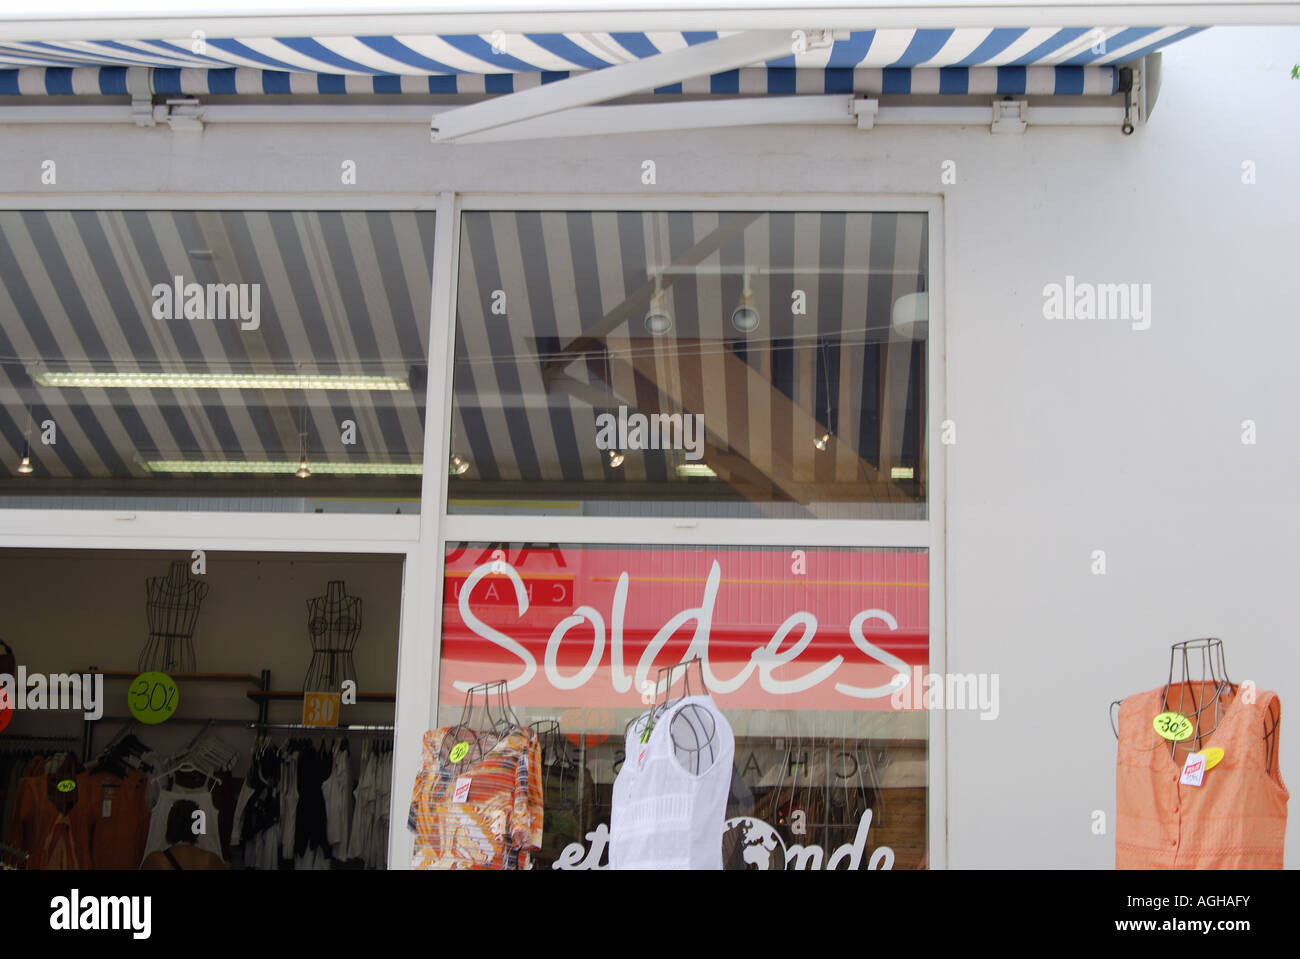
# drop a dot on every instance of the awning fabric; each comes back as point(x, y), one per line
point(757, 81)
point(1048, 60)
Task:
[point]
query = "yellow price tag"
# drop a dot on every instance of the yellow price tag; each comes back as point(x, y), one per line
point(1212, 757)
point(320, 709)
point(153, 697)
point(1173, 726)
point(67, 785)
point(458, 752)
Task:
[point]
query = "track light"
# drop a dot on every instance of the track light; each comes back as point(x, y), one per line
point(303, 470)
point(25, 464)
point(615, 459)
point(657, 321)
point(745, 318)
point(822, 442)
point(458, 465)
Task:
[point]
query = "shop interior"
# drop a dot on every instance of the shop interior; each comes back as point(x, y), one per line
point(242, 635)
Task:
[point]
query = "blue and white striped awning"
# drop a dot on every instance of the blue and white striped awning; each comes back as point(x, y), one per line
point(1048, 60)
point(756, 81)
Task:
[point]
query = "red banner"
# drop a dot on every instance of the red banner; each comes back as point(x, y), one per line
point(774, 629)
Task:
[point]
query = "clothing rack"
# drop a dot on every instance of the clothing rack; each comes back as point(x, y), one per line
point(362, 728)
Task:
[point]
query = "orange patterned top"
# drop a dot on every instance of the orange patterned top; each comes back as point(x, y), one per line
point(477, 812)
point(1236, 818)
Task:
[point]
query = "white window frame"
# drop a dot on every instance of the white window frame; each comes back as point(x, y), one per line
point(928, 533)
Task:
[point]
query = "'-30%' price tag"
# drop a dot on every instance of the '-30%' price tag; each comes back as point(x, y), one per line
point(1173, 726)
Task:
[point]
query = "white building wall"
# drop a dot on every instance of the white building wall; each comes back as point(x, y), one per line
point(1072, 436)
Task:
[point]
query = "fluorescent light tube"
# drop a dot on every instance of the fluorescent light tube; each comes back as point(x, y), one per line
point(219, 381)
point(289, 467)
point(694, 469)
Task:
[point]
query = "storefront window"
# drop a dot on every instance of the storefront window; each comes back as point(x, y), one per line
point(735, 364)
point(258, 687)
point(227, 360)
point(807, 653)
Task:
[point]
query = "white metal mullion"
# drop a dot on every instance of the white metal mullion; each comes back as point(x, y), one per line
point(420, 640)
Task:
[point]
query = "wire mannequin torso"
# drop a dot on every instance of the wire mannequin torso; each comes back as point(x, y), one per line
point(334, 624)
point(1203, 695)
point(172, 606)
point(692, 727)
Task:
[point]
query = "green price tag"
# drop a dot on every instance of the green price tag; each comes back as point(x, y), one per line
point(645, 736)
point(66, 785)
point(1174, 726)
point(153, 697)
point(458, 752)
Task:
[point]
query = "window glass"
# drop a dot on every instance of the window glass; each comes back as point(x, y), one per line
point(213, 359)
point(801, 650)
point(740, 364)
point(260, 685)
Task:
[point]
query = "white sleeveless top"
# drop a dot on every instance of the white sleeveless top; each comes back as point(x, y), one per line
point(662, 816)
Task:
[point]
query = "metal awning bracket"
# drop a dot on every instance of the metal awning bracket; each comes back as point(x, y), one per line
point(1010, 115)
point(865, 109)
point(182, 114)
point(142, 111)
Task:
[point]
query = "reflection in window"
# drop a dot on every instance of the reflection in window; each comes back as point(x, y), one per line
point(213, 354)
point(828, 768)
point(723, 364)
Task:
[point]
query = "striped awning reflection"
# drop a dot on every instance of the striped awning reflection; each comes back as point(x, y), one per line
point(340, 293)
point(551, 333)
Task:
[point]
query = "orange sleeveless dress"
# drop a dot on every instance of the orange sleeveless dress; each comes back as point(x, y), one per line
point(1236, 818)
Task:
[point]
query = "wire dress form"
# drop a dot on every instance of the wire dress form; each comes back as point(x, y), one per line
point(1200, 694)
point(333, 623)
point(693, 729)
point(486, 718)
point(172, 606)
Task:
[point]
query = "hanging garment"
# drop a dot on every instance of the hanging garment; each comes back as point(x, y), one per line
point(338, 801)
point(310, 828)
point(118, 815)
point(1236, 818)
point(662, 816)
point(52, 826)
point(369, 831)
point(209, 839)
point(288, 800)
point(480, 812)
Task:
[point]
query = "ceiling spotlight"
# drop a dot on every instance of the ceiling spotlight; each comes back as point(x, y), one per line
point(25, 464)
point(303, 471)
point(615, 459)
point(745, 318)
point(657, 321)
point(458, 465)
point(822, 442)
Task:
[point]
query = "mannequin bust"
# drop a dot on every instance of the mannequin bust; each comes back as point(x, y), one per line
point(172, 607)
point(693, 729)
point(333, 623)
point(1198, 687)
